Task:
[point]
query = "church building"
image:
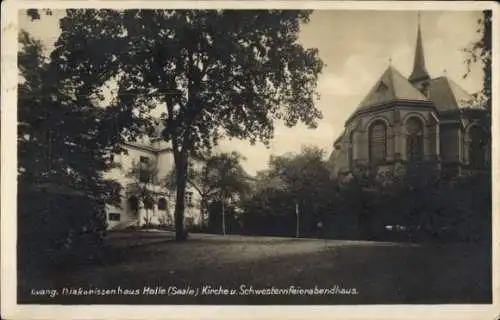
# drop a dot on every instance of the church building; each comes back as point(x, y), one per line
point(419, 118)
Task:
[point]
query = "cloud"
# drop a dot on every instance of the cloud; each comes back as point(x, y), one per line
point(337, 85)
point(285, 140)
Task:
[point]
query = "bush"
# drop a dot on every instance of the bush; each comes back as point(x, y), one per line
point(58, 228)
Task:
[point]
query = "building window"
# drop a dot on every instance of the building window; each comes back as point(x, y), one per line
point(144, 172)
point(478, 146)
point(114, 217)
point(414, 139)
point(162, 204)
point(378, 141)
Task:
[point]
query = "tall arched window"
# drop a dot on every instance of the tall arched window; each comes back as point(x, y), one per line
point(478, 146)
point(162, 204)
point(414, 139)
point(378, 141)
point(350, 150)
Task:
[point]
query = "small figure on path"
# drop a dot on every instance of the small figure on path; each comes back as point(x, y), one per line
point(319, 226)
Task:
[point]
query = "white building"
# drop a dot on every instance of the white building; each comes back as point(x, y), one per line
point(159, 209)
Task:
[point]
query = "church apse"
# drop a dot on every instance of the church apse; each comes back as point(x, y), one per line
point(418, 118)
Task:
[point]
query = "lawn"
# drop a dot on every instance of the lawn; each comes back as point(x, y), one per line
point(380, 272)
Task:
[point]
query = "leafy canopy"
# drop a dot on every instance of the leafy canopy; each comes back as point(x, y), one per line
point(480, 51)
point(218, 72)
point(60, 140)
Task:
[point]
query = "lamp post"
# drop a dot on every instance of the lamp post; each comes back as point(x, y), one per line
point(297, 213)
point(320, 228)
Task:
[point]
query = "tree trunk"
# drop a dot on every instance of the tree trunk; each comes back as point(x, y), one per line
point(181, 182)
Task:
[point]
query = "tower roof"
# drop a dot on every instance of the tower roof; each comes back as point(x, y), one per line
point(448, 96)
point(419, 71)
point(391, 86)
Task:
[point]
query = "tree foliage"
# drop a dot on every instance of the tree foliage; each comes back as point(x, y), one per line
point(36, 14)
point(480, 52)
point(217, 72)
point(408, 202)
point(62, 154)
point(292, 180)
point(223, 176)
point(217, 178)
point(60, 140)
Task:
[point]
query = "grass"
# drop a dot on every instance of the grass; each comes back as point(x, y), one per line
point(382, 273)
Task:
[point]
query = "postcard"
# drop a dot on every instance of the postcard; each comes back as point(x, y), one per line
point(249, 159)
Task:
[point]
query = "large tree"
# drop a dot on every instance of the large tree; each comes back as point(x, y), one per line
point(224, 181)
point(60, 141)
point(217, 73)
point(308, 181)
point(480, 51)
point(294, 181)
point(62, 150)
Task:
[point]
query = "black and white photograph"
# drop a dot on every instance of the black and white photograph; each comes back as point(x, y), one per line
point(259, 154)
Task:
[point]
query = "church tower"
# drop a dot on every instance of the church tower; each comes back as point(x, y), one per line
point(420, 77)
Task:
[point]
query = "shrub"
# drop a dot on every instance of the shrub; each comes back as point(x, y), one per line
point(58, 227)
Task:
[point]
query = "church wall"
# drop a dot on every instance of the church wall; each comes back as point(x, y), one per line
point(339, 158)
point(341, 162)
point(450, 143)
point(432, 140)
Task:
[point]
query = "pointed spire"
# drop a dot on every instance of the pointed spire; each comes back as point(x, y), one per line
point(419, 70)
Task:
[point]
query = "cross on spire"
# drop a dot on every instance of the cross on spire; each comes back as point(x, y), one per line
point(419, 70)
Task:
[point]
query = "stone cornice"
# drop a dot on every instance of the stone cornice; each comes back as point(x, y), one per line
point(401, 104)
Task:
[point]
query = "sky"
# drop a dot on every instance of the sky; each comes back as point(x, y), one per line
point(356, 46)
